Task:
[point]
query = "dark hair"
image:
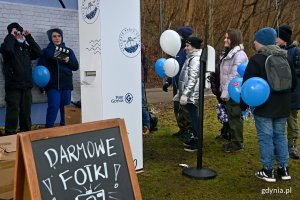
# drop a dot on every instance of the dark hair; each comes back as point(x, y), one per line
point(235, 36)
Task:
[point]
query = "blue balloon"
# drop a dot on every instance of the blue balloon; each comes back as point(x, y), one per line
point(159, 67)
point(234, 89)
point(255, 91)
point(241, 68)
point(41, 76)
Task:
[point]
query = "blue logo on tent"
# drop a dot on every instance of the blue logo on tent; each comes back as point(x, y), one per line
point(90, 10)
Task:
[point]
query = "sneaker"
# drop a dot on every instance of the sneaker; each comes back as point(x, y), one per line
point(146, 131)
point(223, 136)
point(266, 175)
point(185, 136)
point(192, 148)
point(178, 134)
point(293, 152)
point(283, 173)
point(189, 141)
point(231, 147)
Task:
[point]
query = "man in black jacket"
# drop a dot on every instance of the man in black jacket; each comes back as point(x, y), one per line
point(270, 117)
point(284, 40)
point(18, 49)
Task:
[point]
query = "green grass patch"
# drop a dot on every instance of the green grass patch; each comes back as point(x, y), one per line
point(162, 177)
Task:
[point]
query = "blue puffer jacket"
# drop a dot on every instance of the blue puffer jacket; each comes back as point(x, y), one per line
point(61, 76)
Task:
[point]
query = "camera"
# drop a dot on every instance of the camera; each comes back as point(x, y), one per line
point(92, 195)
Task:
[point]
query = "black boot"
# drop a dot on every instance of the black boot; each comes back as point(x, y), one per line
point(225, 132)
point(293, 150)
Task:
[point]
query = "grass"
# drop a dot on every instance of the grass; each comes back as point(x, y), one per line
point(162, 177)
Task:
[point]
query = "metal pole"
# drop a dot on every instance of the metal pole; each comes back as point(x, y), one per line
point(161, 20)
point(199, 172)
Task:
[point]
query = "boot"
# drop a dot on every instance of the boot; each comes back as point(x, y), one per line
point(225, 132)
point(293, 150)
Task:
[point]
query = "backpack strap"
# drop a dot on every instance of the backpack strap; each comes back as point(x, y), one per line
point(191, 60)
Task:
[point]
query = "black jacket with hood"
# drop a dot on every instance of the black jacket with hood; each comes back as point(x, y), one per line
point(17, 66)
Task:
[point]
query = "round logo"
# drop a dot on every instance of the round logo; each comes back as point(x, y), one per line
point(130, 42)
point(90, 10)
point(128, 98)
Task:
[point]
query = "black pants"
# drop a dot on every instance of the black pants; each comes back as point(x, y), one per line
point(235, 122)
point(182, 115)
point(18, 110)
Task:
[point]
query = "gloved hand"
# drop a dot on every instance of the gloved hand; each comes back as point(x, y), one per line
point(165, 86)
point(176, 97)
point(183, 100)
point(245, 114)
point(43, 91)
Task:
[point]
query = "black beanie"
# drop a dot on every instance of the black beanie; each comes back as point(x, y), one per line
point(284, 32)
point(194, 42)
point(14, 25)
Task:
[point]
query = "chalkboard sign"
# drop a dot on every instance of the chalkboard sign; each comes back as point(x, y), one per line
point(78, 162)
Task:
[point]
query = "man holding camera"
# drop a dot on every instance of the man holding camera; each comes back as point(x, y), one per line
point(18, 49)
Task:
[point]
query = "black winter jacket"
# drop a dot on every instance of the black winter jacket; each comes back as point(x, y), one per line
point(17, 66)
point(294, 56)
point(278, 104)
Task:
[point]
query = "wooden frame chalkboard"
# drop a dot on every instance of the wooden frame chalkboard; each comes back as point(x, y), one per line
point(82, 161)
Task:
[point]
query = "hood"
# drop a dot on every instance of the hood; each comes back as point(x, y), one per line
point(185, 31)
point(234, 50)
point(273, 50)
point(57, 30)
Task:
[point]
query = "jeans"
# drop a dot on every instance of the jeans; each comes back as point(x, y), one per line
point(194, 116)
point(145, 112)
point(57, 100)
point(271, 135)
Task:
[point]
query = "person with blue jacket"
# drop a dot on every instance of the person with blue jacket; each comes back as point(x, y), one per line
point(60, 61)
point(181, 113)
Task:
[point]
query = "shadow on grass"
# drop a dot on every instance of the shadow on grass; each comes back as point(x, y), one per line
point(163, 179)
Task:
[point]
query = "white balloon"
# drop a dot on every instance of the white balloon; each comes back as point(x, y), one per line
point(170, 42)
point(171, 67)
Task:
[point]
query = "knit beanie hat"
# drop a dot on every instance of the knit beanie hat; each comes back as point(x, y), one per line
point(185, 31)
point(194, 42)
point(14, 25)
point(265, 36)
point(57, 30)
point(284, 32)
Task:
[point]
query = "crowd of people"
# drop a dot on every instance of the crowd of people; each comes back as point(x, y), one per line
point(18, 50)
point(271, 118)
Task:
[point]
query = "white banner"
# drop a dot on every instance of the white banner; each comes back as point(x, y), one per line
point(110, 65)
